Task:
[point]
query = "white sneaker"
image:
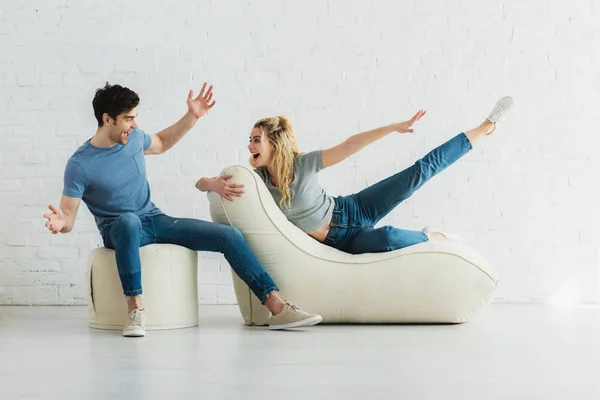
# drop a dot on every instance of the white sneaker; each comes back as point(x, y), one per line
point(448, 236)
point(136, 327)
point(293, 317)
point(501, 111)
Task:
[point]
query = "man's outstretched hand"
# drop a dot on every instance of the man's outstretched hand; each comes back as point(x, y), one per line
point(202, 104)
point(56, 220)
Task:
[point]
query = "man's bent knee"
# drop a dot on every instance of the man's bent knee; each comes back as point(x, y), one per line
point(128, 222)
point(232, 235)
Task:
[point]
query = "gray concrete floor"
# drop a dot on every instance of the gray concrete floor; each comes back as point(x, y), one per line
point(506, 352)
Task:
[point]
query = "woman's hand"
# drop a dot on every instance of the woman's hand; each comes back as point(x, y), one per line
point(227, 189)
point(406, 126)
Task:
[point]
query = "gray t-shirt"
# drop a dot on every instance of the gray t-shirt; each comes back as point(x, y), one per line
point(310, 207)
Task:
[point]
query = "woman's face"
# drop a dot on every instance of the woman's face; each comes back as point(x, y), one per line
point(260, 148)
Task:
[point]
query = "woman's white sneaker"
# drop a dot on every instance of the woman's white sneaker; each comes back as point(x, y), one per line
point(448, 236)
point(501, 111)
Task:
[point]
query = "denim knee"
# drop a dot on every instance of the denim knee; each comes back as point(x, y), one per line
point(232, 235)
point(128, 222)
point(389, 242)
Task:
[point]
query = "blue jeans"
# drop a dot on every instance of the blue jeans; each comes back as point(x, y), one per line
point(129, 232)
point(352, 227)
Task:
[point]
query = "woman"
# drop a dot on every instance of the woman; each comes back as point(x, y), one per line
point(348, 222)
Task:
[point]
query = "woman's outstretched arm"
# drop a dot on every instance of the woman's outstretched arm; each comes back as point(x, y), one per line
point(361, 140)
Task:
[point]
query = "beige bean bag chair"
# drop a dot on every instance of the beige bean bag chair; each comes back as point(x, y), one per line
point(433, 282)
point(169, 279)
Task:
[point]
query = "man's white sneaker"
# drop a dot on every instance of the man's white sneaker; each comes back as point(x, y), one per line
point(136, 325)
point(293, 317)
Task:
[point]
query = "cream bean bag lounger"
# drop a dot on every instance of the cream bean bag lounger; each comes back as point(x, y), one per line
point(433, 282)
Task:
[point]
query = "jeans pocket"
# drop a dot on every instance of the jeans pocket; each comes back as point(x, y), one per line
point(330, 239)
point(106, 240)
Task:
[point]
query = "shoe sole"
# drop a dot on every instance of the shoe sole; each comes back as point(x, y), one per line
point(298, 324)
point(137, 333)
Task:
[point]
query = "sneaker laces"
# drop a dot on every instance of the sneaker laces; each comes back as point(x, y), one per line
point(298, 310)
point(135, 319)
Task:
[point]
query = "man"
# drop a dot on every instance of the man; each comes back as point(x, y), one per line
point(108, 173)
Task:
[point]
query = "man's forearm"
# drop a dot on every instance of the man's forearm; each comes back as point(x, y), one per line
point(69, 224)
point(173, 134)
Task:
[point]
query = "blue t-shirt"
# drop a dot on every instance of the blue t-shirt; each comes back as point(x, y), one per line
point(111, 181)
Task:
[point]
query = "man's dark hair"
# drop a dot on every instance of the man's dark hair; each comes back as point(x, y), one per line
point(113, 100)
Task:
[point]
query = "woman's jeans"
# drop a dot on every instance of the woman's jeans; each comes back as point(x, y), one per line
point(354, 217)
point(129, 232)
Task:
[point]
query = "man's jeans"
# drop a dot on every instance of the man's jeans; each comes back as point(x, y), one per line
point(352, 227)
point(129, 232)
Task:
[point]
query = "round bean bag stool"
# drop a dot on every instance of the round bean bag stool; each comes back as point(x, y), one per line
point(432, 282)
point(169, 281)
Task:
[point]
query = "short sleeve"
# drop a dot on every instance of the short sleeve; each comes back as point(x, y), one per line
point(311, 162)
point(146, 139)
point(74, 180)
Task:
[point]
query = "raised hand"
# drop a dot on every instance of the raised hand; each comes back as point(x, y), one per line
point(56, 219)
point(202, 104)
point(227, 189)
point(406, 126)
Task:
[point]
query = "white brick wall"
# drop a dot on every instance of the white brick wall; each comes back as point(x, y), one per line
point(527, 198)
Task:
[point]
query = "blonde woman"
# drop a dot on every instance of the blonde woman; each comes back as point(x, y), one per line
point(348, 222)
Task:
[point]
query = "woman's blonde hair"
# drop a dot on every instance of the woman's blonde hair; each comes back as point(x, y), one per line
point(279, 132)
